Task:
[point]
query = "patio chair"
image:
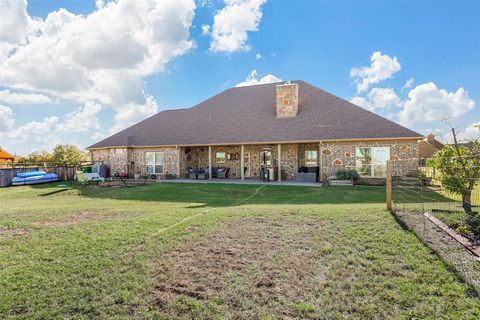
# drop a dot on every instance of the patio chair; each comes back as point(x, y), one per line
point(192, 175)
point(223, 173)
point(202, 175)
point(93, 177)
point(84, 180)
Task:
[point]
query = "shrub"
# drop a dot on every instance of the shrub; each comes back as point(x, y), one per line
point(347, 175)
point(416, 174)
point(473, 222)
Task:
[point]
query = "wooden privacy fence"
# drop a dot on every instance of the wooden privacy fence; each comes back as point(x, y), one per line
point(63, 172)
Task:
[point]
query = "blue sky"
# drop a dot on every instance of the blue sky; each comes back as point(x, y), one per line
point(80, 76)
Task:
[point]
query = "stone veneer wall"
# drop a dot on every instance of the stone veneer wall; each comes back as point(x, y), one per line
point(118, 163)
point(333, 155)
point(287, 100)
point(341, 155)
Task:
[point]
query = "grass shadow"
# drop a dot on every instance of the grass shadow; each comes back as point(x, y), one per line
point(53, 192)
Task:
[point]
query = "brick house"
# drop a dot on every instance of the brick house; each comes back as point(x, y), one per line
point(427, 148)
point(282, 126)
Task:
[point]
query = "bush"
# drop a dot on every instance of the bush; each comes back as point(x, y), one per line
point(416, 174)
point(347, 175)
point(473, 223)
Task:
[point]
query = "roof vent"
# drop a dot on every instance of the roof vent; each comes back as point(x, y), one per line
point(287, 100)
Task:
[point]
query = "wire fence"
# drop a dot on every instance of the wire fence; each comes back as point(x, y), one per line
point(439, 217)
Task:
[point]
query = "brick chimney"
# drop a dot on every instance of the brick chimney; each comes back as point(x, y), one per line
point(287, 100)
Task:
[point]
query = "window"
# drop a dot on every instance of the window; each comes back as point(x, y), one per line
point(220, 157)
point(119, 152)
point(266, 157)
point(154, 162)
point(311, 157)
point(372, 162)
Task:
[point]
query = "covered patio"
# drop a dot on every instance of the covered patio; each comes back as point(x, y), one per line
point(260, 162)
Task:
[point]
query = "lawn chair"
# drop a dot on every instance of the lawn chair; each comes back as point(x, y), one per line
point(90, 180)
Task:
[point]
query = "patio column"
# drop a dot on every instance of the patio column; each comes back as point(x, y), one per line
point(209, 162)
point(279, 162)
point(242, 162)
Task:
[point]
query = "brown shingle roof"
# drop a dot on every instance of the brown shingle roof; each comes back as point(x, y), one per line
point(247, 115)
point(4, 155)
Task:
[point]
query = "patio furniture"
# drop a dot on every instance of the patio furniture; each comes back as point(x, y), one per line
point(222, 173)
point(315, 170)
point(85, 180)
point(193, 175)
point(202, 175)
point(306, 177)
point(93, 177)
point(264, 174)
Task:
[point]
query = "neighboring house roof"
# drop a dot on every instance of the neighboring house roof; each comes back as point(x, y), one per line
point(468, 145)
point(4, 155)
point(428, 147)
point(432, 141)
point(248, 115)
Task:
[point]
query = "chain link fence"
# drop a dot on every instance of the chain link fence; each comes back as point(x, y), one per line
point(438, 217)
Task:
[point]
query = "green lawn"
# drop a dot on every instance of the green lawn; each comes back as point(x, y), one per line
point(175, 250)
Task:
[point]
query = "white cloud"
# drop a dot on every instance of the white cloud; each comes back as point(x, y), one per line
point(34, 135)
point(99, 4)
point(362, 102)
point(41, 135)
point(472, 131)
point(132, 113)
point(82, 119)
point(14, 21)
point(23, 98)
point(258, 56)
point(442, 134)
point(6, 119)
point(205, 29)
point(205, 3)
point(252, 79)
point(381, 68)
point(383, 97)
point(427, 103)
point(231, 24)
point(103, 56)
point(408, 84)
point(377, 98)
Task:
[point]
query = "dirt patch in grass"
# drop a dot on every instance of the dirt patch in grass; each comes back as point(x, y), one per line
point(76, 218)
point(248, 266)
point(7, 232)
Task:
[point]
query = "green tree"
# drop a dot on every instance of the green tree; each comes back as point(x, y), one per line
point(69, 153)
point(36, 157)
point(460, 167)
